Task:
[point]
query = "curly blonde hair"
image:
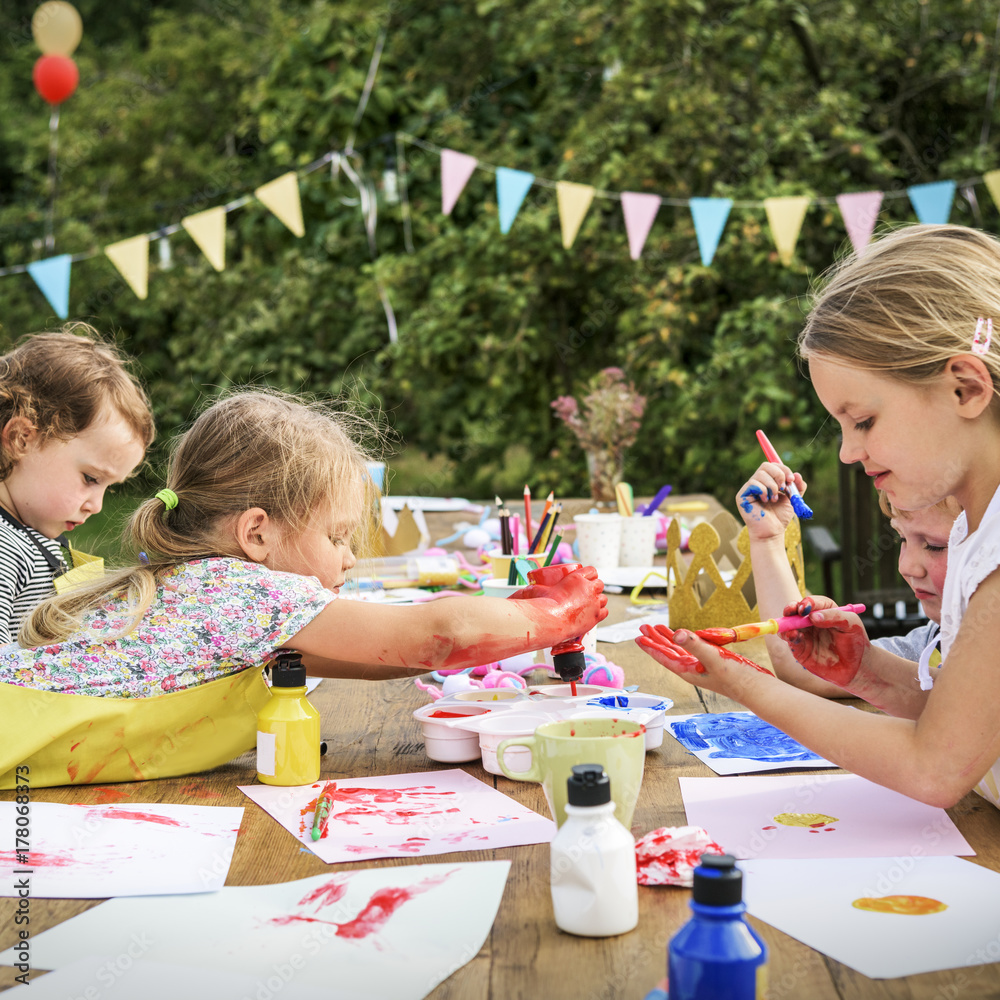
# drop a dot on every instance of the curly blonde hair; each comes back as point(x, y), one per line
point(61, 381)
point(249, 449)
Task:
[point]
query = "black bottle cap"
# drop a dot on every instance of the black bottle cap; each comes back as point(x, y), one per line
point(588, 785)
point(287, 670)
point(569, 666)
point(717, 881)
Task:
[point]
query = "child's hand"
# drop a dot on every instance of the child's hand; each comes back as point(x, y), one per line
point(699, 662)
point(572, 604)
point(765, 509)
point(834, 647)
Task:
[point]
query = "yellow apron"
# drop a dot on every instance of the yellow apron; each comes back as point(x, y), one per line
point(86, 569)
point(74, 739)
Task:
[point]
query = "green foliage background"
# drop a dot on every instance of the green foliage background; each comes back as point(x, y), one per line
point(188, 104)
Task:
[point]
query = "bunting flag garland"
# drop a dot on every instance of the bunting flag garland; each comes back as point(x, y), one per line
point(639, 210)
point(52, 277)
point(573, 201)
point(208, 230)
point(456, 169)
point(710, 215)
point(131, 257)
point(992, 180)
point(784, 216)
point(860, 213)
point(512, 186)
point(281, 196)
point(932, 202)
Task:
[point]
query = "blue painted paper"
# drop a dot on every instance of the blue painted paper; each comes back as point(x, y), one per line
point(52, 277)
point(932, 202)
point(739, 736)
point(512, 186)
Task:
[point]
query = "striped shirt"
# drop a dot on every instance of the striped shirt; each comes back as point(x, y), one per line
point(25, 575)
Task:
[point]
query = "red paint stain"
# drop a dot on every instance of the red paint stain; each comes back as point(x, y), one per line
point(728, 654)
point(717, 636)
point(135, 815)
point(769, 828)
point(369, 802)
point(198, 791)
point(372, 917)
point(110, 795)
point(38, 860)
point(326, 894)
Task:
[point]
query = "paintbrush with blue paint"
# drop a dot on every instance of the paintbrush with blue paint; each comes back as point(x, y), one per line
point(801, 508)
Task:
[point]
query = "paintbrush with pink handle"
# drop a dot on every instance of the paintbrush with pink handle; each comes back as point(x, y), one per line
point(740, 633)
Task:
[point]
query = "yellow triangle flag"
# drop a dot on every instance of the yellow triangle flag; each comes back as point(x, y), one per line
point(281, 196)
point(993, 185)
point(784, 216)
point(131, 257)
point(208, 230)
point(573, 201)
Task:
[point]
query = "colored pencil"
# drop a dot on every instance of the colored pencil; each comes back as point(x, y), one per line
point(515, 535)
point(324, 806)
point(540, 534)
point(549, 501)
point(527, 512)
point(552, 550)
point(550, 531)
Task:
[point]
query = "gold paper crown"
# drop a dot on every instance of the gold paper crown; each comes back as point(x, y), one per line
point(699, 597)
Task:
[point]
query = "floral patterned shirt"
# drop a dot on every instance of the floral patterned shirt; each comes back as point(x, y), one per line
point(210, 618)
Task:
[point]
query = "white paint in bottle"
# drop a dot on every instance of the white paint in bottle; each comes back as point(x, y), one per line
point(592, 859)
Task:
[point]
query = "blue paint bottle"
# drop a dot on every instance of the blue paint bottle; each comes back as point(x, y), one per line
point(717, 955)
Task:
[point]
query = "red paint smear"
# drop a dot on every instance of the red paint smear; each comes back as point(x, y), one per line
point(198, 791)
point(374, 915)
point(717, 636)
point(446, 715)
point(110, 795)
point(728, 654)
point(325, 895)
point(769, 828)
point(144, 817)
point(38, 860)
point(366, 802)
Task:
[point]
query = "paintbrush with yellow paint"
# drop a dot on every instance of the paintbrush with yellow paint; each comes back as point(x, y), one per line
point(740, 633)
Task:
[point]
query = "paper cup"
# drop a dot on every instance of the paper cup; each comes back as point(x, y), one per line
point(638, 544)
point(599, 539)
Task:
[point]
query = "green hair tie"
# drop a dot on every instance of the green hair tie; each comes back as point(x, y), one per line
point(169, 498)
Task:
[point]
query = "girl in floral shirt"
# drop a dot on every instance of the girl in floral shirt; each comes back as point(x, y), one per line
point(248, 547)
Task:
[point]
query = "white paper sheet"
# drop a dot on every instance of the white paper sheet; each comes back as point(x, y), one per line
point(404, 815)
point(741, 743)
point(813, 902)
point(97, 851)
point(817, 816)
point(375, 932)
point(118, 977)
point(624, 631)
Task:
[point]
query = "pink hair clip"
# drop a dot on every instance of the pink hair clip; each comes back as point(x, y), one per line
point(981, 343)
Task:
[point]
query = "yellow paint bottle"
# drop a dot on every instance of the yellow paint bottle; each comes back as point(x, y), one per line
point(288, 727)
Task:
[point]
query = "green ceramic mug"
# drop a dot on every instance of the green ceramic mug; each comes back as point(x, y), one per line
point(618, 745)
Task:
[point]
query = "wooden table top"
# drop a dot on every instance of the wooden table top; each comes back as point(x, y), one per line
point(371, 731)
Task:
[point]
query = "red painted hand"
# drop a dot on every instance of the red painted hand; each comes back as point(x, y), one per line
point(565, 603)
point(834, 647)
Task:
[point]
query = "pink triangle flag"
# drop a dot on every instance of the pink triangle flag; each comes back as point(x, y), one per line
point(860, 211)
point(456, 169)
point(639, 211)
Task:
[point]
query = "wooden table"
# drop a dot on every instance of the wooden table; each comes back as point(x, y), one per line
point(371, 731)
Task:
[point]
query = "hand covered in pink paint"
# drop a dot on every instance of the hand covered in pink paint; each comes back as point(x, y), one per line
point(836, 644)
point(698, 662)
point(569, 601)
point(765, 509)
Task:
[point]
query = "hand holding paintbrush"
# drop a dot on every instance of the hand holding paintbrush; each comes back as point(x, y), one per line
point(740, 633)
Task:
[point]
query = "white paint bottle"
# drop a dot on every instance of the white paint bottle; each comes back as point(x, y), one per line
point(592, 859)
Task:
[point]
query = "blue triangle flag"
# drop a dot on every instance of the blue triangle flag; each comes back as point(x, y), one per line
point(512, 186)
point(709, 216)
point(52, 277)
point(932, 202)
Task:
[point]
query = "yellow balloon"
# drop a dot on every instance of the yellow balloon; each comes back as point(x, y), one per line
point(57, 28)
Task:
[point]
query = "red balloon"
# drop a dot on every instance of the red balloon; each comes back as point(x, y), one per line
point(55, 78)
